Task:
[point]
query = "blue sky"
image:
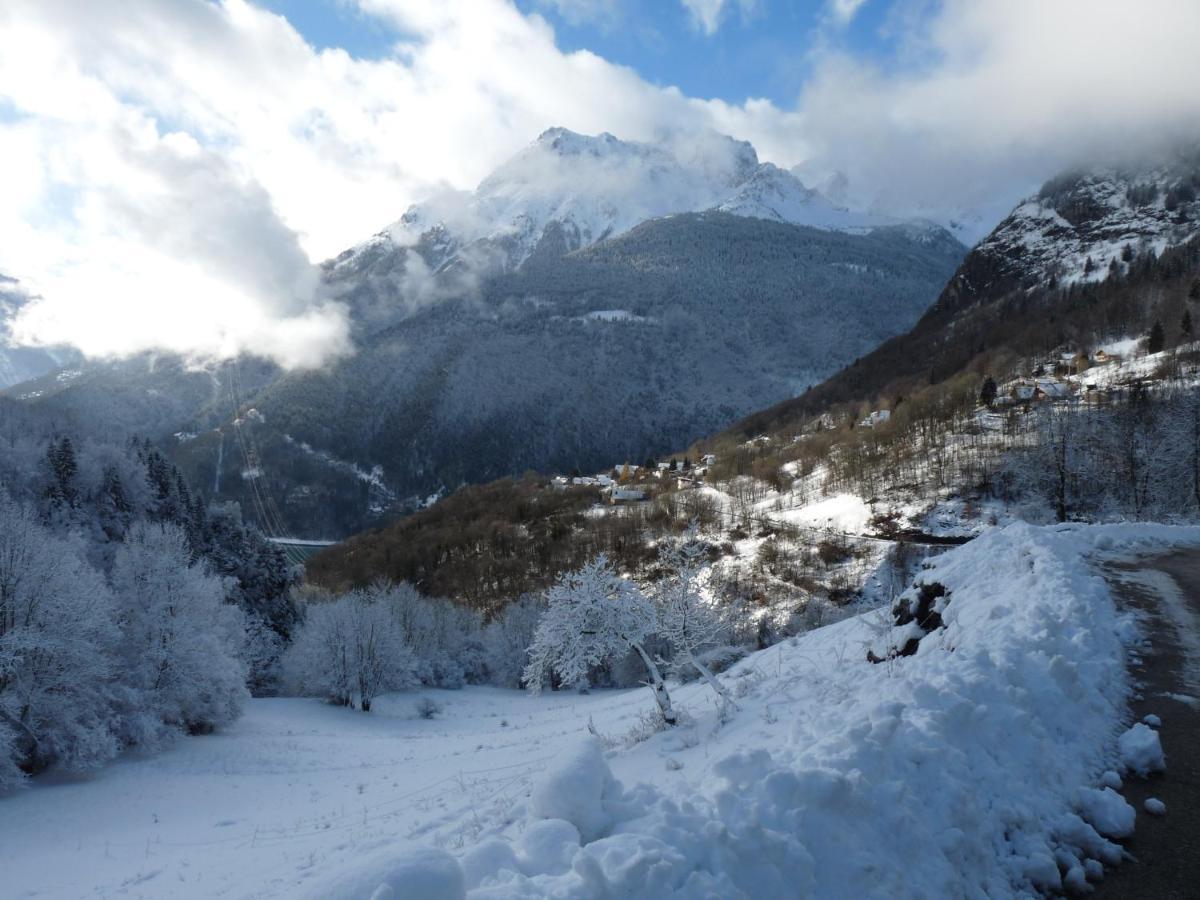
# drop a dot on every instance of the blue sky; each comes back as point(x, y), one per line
point(766, 50)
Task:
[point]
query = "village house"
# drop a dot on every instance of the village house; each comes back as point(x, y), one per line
point(878, 417)
point(1053, 389)
point(1042, 388)
point(618, 493)
point(1023, 391)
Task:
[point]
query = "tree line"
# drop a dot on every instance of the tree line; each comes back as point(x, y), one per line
point(129, 611)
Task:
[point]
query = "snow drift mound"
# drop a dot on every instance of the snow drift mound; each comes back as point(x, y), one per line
point(970, 768)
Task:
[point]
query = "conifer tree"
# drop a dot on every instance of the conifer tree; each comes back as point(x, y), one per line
point(987, 393)
point(1157, 339)
point(63, 467)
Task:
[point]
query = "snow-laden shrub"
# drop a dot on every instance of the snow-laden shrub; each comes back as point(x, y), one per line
point(262, 653)
point(350, 650)
point(428, 708)
point(180, 641)
point(445, 639)
point(507, 639)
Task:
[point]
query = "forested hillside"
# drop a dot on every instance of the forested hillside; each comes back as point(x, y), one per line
point(130, 611)
point(993, 337)
point(630, 347)
point(1040, 399)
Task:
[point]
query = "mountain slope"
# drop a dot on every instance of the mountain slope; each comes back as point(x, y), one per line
point(592, 299)
point(1083, 226)
point(629, 347)
point(806, 450)
point(1028, 286)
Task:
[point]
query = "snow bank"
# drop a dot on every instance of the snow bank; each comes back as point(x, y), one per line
point(580, 789)
point(969, 768)
point(405, 875)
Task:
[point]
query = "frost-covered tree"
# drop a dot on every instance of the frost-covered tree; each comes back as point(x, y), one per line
point(593, 615)
point(350, 649)
point(180, 642)
point(382, 660)
point(507, 639)
point(261, 652)
point(319, 662)
point(445, 638)
point(686, 619)
point(61, 469)
point(260, 579)
point(56, 652)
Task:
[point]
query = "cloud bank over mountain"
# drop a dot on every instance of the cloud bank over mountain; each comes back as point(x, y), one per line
point(175, 167)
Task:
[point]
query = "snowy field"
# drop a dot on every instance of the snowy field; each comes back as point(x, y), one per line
point(294, 789)
point(985, 752)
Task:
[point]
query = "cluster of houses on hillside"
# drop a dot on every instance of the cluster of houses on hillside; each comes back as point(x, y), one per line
point(1070, 381)
point(627, 483)
point(1067, 380)
point(1034, 390)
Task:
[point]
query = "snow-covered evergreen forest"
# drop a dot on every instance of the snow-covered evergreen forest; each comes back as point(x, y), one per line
point(129, 612)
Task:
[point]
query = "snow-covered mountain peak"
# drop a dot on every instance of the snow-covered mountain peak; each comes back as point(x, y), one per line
point(565, 142)
point(773, 193)
point(1085, 224)
point(592, 187)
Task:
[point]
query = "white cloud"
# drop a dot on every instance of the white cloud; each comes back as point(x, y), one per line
point(707, 14)
point(173, 167)
point(316, 149)
point(176, 166)
point(999, 94)
point(844, 11)
point(578, 12)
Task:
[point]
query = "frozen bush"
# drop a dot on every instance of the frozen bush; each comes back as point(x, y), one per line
point(428, 708)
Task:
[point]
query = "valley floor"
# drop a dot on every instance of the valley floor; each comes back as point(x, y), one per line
point(970, 768)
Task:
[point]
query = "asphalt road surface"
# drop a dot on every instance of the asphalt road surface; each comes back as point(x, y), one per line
point(1165, 850)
